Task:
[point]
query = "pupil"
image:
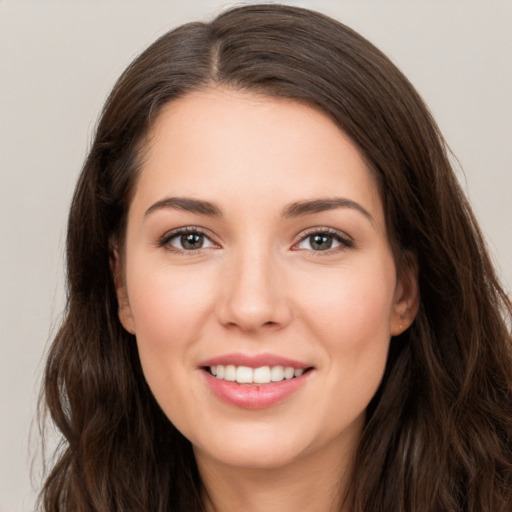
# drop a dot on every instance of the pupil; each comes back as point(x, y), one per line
point(192, 241)
point(321, 242)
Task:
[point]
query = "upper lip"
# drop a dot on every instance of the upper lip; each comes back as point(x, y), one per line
point(254, 361)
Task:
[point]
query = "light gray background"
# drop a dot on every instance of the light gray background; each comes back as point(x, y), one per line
point(58, 61)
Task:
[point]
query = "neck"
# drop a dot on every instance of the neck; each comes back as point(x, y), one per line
point(311, 484)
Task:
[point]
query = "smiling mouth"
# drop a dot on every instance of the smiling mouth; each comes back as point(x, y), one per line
point(261, 375)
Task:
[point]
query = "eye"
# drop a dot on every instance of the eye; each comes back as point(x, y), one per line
point(186, 239)
point(323, 240)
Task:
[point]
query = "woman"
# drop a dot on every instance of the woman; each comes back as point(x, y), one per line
point(278, 294)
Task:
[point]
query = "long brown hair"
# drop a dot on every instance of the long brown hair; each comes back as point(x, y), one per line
point(438, 434)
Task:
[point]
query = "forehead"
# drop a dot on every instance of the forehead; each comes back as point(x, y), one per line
point(224, 145)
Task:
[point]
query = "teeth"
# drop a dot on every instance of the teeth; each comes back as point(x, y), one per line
point(277, 373)
point(261, 375)
point(244, 375)
point(288, 373)
point(230, 373)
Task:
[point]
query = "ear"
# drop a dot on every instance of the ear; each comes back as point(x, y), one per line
point(124, 309)
point(407, 297)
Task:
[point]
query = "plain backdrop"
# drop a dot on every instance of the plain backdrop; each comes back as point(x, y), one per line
point(58, 61)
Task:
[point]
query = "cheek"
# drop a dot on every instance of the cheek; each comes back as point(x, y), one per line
point(353, 321)
point(169, 306)
point(353, 306)
point(351, 316)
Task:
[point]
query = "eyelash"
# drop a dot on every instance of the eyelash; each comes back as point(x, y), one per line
point(344, 241)
point(165, 240)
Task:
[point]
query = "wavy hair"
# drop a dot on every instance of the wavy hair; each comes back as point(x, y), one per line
point(438, 434)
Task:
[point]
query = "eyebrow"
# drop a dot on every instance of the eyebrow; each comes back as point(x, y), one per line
point(300, 208)
point(187, 204)
point(296, 209)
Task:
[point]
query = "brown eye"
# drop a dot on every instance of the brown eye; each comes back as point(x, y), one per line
point(320, 241)
point(191, 241)
point(186, 240)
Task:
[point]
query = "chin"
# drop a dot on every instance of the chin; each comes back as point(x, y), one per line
point(265, 445)
point(247, 455)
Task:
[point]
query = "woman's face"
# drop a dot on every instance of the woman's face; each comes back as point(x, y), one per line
point(256, 249)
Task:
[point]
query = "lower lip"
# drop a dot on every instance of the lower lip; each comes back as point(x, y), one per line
point(252, 396)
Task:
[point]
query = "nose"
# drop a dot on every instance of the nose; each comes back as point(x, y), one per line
point(254, 294)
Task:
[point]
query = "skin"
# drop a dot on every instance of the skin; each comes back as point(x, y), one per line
point(258, 285)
